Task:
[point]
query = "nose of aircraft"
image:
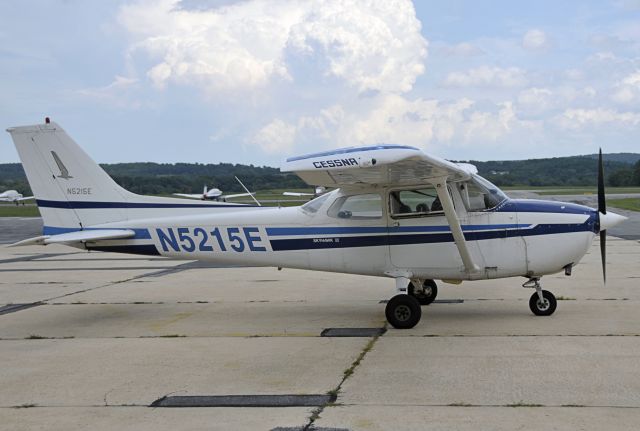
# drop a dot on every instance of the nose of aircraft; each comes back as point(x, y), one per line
point(609, 220)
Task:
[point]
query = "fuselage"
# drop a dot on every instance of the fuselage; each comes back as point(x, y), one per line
point(10, 195)
point(374, 236)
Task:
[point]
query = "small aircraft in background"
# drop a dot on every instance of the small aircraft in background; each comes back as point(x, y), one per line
point(215, 194)
point(14, 196)
point(395, 212)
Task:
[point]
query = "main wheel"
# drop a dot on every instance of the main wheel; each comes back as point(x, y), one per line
point(428, 294)
point(403, 311)
point(543, 308)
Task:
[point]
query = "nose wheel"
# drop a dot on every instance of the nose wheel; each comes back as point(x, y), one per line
point(542, 302)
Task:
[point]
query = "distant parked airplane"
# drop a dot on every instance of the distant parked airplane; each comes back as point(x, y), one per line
point(13, 196)
point(216, 194)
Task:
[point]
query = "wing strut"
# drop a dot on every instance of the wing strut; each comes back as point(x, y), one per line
point(454, 225)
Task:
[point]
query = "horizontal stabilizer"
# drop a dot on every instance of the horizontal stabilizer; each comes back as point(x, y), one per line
point(78, 236)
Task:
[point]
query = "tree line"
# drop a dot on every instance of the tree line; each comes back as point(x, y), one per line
point(168, 178)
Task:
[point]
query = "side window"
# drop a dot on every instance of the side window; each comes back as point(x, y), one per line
point(415, 203)
point(472, 196)
point(359, 207)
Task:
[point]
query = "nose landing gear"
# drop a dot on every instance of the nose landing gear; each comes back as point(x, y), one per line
point(542, 302)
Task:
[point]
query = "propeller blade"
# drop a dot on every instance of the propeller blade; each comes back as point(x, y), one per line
point(602, 205)
point(603, 254)
point(602, 209)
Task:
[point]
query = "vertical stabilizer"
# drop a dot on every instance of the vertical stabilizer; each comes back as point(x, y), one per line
point(74, 192)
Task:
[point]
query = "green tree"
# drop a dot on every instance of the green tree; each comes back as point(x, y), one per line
point(636, 174)
point(621, 178)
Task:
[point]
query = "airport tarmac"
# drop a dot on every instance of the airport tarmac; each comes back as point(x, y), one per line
point(104, 341)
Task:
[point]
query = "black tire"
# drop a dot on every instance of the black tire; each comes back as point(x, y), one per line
point(403, 311)
point(428, 295)
point(543, 309)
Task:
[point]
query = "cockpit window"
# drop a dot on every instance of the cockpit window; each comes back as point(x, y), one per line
point(314, 205)
point(359, 207)
point(479, 194)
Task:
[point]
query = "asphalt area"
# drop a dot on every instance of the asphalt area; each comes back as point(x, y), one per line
point(105, 341)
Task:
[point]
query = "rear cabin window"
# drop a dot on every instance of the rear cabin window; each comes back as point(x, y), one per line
point(357, 207)
point(415, 203)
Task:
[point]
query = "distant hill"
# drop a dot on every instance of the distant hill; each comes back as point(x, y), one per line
point(557, 171)
point(630, 158)
point(166, 178)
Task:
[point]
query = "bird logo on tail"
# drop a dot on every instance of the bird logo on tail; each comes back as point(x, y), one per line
point(64, 172)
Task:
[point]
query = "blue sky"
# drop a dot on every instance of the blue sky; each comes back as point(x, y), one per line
point(256, 81)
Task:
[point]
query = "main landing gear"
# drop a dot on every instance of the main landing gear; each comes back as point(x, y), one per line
point(542, 302)
point(403, 311)
point(427, 294)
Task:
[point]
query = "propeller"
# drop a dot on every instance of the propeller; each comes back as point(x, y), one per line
point(602, 210)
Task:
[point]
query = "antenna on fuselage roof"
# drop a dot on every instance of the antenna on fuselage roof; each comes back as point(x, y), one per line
point(247, 190)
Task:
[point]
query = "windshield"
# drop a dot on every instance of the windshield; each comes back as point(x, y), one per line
point(314, 205)
point(479, 194)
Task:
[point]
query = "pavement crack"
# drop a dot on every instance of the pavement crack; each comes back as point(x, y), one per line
point(346, 374)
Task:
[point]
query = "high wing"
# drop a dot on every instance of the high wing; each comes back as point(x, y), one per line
point(77, 237)
point(297, 194)
point(185, 195)
point(388, 165)
point(237, 195)
point(25, 198)
point(378, 164)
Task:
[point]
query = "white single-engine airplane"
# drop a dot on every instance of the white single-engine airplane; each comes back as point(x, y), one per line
point(397, 212)
point(214, 194)
point(14, 196)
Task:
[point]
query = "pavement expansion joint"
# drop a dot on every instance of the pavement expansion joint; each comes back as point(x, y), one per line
point(12, 308)
point(244, 400)
point(437, 301)
point(352, 332)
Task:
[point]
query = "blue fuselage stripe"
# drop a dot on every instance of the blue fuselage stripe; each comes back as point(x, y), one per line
point(290, 231)
point(432, 238)
point(94, 204)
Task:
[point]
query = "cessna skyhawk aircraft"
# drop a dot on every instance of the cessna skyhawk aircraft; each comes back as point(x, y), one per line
point(14, 196)
point(396, 212)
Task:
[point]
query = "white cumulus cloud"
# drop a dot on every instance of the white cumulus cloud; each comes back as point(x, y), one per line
point(370, 45)
point(628, 89)
point(592, 118)
point(486, 76)
point(276, 137)
point(535, 39)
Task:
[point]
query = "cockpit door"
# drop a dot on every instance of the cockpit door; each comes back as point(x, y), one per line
point(419, 235)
